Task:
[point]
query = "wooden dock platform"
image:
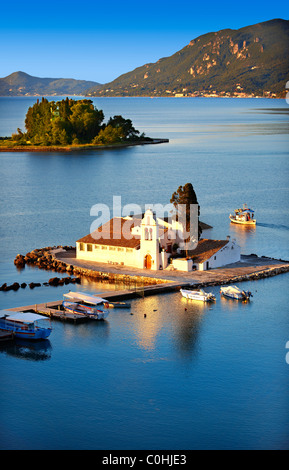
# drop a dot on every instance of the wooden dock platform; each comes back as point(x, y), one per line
point(51, 310)
point(60, 314)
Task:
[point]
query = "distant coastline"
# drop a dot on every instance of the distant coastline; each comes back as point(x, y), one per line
point(267, 95)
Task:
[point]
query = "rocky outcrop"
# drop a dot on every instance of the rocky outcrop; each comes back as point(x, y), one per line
point(43, 259)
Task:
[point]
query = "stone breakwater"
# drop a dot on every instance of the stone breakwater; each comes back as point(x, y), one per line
point(269, 272)
point(62, 259)
point(43, 259)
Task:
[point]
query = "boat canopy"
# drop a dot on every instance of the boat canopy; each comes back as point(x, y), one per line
point(5, 313)
point(24, 317)
point(80, 297)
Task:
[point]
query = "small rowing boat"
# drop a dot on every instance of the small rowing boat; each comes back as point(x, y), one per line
point(118, 305)
point(86, 305)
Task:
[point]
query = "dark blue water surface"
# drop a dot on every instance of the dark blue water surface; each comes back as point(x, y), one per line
point(208, 377)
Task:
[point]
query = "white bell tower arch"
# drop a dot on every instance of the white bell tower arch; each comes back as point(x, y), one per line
point(149, 247)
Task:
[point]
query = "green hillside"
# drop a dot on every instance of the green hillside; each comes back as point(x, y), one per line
point(22, 84)
point(252, 60)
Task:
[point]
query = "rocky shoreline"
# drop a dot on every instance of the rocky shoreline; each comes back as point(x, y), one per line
point(76, 148)
point(43, 259)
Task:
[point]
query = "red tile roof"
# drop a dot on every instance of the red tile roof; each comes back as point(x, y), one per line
point(206, 248)
point(115, 232)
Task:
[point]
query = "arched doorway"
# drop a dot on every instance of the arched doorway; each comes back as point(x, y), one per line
point(148, 262)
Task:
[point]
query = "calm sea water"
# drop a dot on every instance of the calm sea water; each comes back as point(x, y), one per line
point(202, 378)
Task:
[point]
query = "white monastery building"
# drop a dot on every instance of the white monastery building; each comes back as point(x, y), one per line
point(147, 242)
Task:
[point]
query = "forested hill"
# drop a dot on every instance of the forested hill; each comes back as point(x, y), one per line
point(252, 60)
point(22, 84)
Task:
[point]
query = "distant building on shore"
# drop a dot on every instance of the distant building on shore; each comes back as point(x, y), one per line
point(149, 242)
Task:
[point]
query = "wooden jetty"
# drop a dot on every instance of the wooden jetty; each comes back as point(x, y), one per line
point(54, 310)
point(51, 310)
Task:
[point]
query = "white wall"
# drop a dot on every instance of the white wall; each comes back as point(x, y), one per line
point(182, 264)
point(105, 254)
point(230, 253)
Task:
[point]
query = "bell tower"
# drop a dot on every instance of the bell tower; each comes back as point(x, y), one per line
point(149, 249)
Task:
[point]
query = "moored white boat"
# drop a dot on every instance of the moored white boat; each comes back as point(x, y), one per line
point(198, 295)
point(233, 292)
point(86, 305)
point(24, 324)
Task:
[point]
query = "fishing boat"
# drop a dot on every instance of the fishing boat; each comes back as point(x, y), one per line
point(243, 216)
point(85, 304)
point(198, 295)
point(24, 325)
point(233, 292)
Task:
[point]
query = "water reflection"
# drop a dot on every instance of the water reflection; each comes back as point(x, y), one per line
point(174, 317)
point(149, 323)
point(232, 305)
point(94, 329)
point(243, 234)
point(32, 351)
point(188, 328)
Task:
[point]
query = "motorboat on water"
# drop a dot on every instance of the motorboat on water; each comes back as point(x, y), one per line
point(86, 305)
point(233, 292)
point(25, 325)
point(243, 216)
point(198, 295)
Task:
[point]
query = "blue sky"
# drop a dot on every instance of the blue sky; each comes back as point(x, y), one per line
point(100, 40)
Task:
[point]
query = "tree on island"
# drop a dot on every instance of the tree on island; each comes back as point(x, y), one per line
point(118, 122)
point(184, 197)
point(73, 122)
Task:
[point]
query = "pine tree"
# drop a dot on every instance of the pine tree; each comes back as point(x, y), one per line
point(185, 196)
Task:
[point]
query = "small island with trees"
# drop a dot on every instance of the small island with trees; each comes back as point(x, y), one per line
point(72, 125)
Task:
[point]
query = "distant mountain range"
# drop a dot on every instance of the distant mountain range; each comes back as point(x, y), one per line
point(21, 84)
point(252, 60)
